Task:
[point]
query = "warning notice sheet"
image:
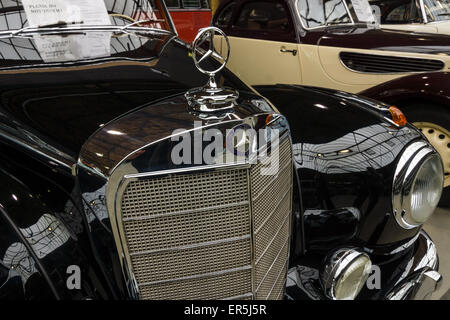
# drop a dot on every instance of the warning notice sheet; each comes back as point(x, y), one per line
point(48, 12)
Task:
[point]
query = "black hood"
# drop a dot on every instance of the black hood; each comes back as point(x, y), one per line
point(63, 103)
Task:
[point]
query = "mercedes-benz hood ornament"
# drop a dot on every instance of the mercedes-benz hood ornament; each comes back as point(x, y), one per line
point(210, 98)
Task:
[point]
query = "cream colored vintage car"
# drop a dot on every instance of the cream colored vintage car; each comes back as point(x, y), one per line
point(337, 44)
point(414, 15)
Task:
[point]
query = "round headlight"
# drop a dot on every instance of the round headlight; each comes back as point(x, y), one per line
point(427, 189)
point(345, 273)
point(418, 183)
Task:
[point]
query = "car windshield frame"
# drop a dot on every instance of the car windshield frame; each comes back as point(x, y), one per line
point(70, 26)
point(425, 15)
point(353, 19)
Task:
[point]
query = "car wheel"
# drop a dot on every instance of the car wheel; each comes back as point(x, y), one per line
point(434, 123)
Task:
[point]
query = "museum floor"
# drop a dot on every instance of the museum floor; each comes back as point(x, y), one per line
point(438, 227)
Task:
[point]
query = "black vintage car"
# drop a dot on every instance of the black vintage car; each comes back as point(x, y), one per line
point(94, 205)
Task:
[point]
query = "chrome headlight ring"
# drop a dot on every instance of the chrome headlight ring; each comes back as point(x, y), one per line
point(417, 157)
point(345, 273)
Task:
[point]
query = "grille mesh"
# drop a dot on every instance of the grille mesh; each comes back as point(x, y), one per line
point(387, 64)
point(184, 192)
point(229, 285)
point(271, 207)
point(189, 236)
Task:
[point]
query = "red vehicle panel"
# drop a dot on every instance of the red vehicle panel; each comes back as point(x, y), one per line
point(189, 16)
point(188, 21)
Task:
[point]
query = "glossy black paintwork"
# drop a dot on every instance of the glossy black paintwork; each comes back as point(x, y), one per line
point(49, 112)
point(43, 218)
point(359, 178)
point(433, 87)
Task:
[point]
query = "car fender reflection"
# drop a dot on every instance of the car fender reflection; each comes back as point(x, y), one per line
point(45, 236)
point(375, 146)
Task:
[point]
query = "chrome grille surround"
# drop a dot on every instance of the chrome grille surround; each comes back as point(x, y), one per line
point(209, 232)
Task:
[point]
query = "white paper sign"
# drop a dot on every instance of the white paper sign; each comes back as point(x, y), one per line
point(45, 12)
point(73, 47)
point(363, 11)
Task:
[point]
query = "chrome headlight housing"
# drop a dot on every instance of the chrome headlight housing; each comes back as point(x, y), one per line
point(418, 183)
point(345, 273)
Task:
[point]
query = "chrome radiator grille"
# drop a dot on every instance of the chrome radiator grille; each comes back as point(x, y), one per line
point(210, 235)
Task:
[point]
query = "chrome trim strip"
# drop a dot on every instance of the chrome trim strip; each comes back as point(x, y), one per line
point(403, 246)
point(299, 16)
point(409, 164)
point(336, 264)
point(191, 246)
point(118, 182)
point(197, 276)
point(78, 28)
point(159, 215)
point(348, 11)
point(422, 9)
point(431, 259)
point(414, 278)
point(234, 165)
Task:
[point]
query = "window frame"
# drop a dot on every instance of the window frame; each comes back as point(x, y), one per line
point(419, 14)
point(269, 35)
point(232, 4)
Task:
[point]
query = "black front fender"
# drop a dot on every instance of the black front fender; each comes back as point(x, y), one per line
point(43, 241)
point(345, 153)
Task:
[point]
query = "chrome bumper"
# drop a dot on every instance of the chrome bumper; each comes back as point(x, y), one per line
point(422, 278)
point(418, 280)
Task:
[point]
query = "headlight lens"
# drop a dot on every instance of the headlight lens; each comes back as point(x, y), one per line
point(427, 189)
point(418, 183)
point(345, 273)
point(353, 279)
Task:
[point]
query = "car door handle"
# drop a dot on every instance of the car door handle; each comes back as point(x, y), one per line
point(284, 50)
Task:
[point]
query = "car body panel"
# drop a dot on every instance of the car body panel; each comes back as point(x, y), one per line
point(75, 164)
point(350, 57)
point(48, 233)
point(317, 158)
point(278, 67)
point(318, 55)
point(433, 86)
